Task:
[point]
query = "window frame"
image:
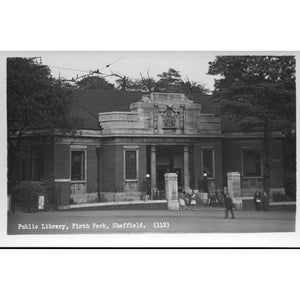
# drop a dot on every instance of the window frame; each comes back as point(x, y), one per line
point(79, 149)
point(130, 148)
point(258, 151)
point(212, 149)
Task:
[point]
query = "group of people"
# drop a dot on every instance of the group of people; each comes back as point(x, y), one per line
point(261, 201)
point(187, 199)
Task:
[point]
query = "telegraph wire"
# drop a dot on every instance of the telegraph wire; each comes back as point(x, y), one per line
point(90, 72)
point(38, 59)
point(69, 69)
point(107, 66)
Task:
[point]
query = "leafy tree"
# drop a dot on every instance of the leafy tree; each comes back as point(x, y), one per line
point(95, 82)
point(169, 81)
point(191, 87)
point(257, 91)
point(123, 82)
point(35, 101)
point(145, 84)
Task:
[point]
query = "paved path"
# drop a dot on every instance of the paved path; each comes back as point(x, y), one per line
point(203, 220)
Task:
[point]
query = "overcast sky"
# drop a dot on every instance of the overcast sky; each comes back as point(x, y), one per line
point(191, 64)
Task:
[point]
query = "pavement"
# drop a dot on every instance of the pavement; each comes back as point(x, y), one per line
point(201, 220)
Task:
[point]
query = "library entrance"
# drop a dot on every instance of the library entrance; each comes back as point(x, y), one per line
point(169, 159)
point(163, 159)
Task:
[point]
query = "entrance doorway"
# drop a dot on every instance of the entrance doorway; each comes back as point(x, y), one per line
point(169, 159)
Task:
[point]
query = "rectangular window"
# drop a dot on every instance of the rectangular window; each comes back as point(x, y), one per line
point(208, 161)
point(251, 163)
point(78, 165)
point(130, 164)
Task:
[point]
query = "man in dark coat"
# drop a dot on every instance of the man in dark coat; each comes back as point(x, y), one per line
point(258, 200)
point(228, 205)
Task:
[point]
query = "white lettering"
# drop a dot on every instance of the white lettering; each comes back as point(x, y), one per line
point(28, 226)
point(80, 226)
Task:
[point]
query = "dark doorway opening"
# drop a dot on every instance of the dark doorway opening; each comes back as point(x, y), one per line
point(168, 159)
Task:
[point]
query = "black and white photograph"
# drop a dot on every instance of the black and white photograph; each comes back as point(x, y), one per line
point(149, 149)
point(139, 142)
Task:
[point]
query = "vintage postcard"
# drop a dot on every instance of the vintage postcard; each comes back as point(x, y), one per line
point(155, 148)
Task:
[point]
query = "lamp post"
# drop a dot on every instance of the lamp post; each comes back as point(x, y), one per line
point(148, 190)
point(205, 182)
point(205, 185)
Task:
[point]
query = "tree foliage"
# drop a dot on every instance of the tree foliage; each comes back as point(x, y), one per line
point(192, 87)
point(123, 82)
point(172, 82)
point(169, 81)
point(95, 82)
point(258, 92)
point(256, 89)
point(147, 84)
point(35, 100)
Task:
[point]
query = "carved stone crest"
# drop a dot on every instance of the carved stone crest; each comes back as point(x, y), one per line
point(169, 117)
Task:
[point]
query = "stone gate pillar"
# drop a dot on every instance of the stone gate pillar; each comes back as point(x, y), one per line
point(234, 188)
point(171, 189)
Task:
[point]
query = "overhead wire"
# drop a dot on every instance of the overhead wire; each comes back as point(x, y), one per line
point(91, 72)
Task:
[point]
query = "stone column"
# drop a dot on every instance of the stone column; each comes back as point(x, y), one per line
point(234, 188)
point(171, 189)
point(186, 171)
point(153, 171)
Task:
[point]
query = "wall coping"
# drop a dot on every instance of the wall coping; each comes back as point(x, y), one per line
point(282, 203)
point(99, 204)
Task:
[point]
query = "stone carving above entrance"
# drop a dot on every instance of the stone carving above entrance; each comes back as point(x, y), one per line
point(170, 118)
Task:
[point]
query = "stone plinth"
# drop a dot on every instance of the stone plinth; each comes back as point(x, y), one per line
point(171, 189)
point(234, 188)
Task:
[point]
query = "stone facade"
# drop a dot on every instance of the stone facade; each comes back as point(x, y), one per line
point(162, 133)
point(161, 114)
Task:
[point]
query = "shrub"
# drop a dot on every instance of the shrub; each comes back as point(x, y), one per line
point(27, 192)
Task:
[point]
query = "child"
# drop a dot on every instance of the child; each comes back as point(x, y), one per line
point(193, 201)
point(181, 203)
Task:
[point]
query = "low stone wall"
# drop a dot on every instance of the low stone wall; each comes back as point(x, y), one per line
point(85, 198)
point(132, 205)
point(120, 197)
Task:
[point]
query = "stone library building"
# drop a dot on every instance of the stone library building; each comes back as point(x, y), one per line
point(130, 140)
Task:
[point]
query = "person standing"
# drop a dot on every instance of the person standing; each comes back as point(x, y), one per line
point(257, 200)
point(193, 201)
point(228, 205)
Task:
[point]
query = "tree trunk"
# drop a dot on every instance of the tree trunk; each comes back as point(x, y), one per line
point(267, 157)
